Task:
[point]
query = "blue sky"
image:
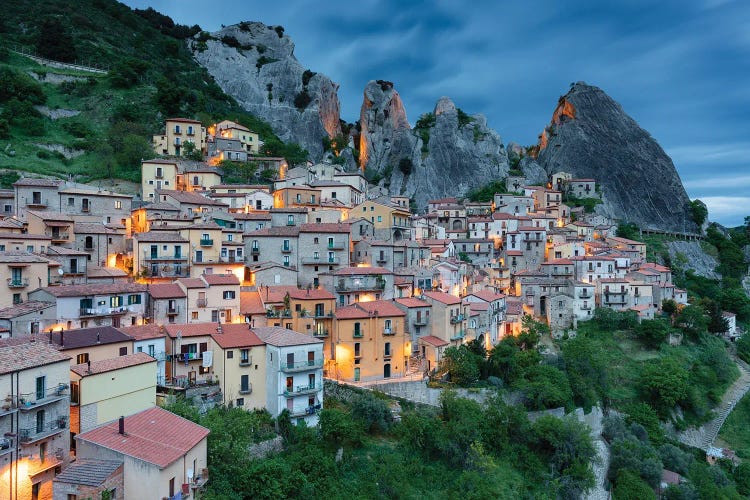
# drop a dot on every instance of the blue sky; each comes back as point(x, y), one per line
point(679, 68)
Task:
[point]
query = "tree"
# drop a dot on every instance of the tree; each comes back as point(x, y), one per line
point(669, 307)
point(546, 387)
point(461, 364)
point(699, 212)
point(692, 320)
point(338, 427)
point(743, 348)
point(628, 486)
point(372, 412)
point(664, 382)
point(405, 165)
point(627, 230)
point(586, 366)
point(632, 454)
point(645, 416)
point(54, 42)
point(191, 152)
point(652, 332)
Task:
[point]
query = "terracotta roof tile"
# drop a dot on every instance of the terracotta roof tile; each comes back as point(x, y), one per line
point(250, 303)
point(221, 279)
point(21, 354)
point(166, 291)
point(143, 332)
point(155, 436)
point(85, 337)
point(282, 337)
point(443, 298)
point(111, 364)
point(191, 329)
point(88, 472)
point(381, 308)
point(410, 302)
point(433, 341)
point(236, 335)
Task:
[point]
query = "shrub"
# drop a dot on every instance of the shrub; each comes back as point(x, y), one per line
point(302, 100)
point(79, 129)
point(53, 42)
point(263, 60)
point(372, 412)
point(463, 118)
point(306, 76)
point(699, 212)
point(43, 154)
point(405, 165)
point(19, 86)
point(279, 30)
point(230, 41)
point(4, 129)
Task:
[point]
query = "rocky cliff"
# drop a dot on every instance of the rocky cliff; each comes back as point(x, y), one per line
point(591, 136)
point(448, 154)
point(255, 64)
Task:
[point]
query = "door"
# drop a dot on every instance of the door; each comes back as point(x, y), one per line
point(290, 360)
point(387, 370)
point(192, 376)
point(356, 374)
point(310, 358)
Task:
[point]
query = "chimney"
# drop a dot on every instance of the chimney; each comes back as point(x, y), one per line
point(98, 338)
point(121, 426)
point(88, 366)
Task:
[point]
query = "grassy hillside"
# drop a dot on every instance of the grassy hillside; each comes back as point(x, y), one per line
point(152, 76)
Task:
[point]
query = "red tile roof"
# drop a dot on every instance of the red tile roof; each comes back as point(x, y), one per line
point(155, 436)
point(221, 279)
point(143, 332)
point(192, 282)
point(412, 302)
point(250, 303)
point(433, 341)
point(22, 353)
point(108, 365)
point(166, 291)
point(383, 308)
point(191, 329)
point(236, 335)
point(442, 297)
point(282, 337)
point(488, 295)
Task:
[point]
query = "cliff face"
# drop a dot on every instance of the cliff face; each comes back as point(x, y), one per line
point(261, 72)
point(447, 156)
point(591, 136)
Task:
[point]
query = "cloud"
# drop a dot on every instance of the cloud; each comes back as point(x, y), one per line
point(728, 210)
point(730, 182)
point(710, 154)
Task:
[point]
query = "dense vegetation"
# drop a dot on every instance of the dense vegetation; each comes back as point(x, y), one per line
point(461, 450)
point(152, 76)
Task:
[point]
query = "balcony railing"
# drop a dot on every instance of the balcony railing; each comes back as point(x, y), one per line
point(299, 366)
point(302, 389)
point(173, 310)
point(36, 202)
point(247, 389)
point(201, 302)
point(389, 331)
point(59, 236)
point(18, 282)
point(457, 318)
point(102, 311)
point(458, 335)
point(368, 286)
point(32, 400)
point(321, 333)
point(305, 411)
point(420, 321)
point(278, 313)
point(335, 246)
point(255, 250)
point(31, 434)
point(206, 242)
point(151, 257)
point(246, 361)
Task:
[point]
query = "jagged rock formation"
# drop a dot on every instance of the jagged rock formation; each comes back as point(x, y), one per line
point(591, 136)
point(446, 157)
point(261, 72)
point(691, 256)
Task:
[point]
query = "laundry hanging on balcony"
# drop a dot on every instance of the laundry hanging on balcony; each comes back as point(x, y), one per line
point(208, 357)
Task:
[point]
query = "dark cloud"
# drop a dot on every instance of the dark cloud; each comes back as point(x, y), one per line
point(680, 68)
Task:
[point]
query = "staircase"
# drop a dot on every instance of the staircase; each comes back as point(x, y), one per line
point(417, 364)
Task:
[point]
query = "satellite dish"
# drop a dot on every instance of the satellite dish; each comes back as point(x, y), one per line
point(60, 271)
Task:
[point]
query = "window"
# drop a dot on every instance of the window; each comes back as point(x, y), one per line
point(380, 218)
point(115, 301)
point(41, 387)
point(71, 202)
point(194, 315)
point(387, 349)
point(286, 260)
point(123, 351)
point(82, 358)
point(229, 294)
point(239, 402)
point(134, 299)
point(290, 220)
point(244, 384)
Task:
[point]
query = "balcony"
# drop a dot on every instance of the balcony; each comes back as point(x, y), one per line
point(246, 361)
point(457, 319)
point(18, 282)
point(369, 286)
point(278, 313)
point(59, 237)
point(335, 246)
point(36, 202)
point(246, 390)
point(255, 250)
point(207, 242)
point(173, 310)
point(302, 389)
point(201, 303)
point(102, 311)
point(459, 335)
point(586, 308)
point(389, 331)
point(300, 366)
point(420, 321)
point(583, 295)
point(318, 261)
point(305, 411)
point(321, 333)
point(32, 401)
point(29, 435)
point(166, 258)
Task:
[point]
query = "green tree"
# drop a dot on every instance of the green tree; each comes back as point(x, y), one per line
point(692, 320)
point(699, 212)
point(54, 42)
point(628, 230)
point(664, 382)
point(546, 387)
point(628, 486)
point(373, 412)
point(634, 455)
point(338, 427)
point(462, 365)
point(652, 332)
point(645, 416)
point(586, 366)
point(743, 347)
point(191, 152)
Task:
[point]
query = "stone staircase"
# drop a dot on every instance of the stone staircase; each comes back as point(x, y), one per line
point(417, 364)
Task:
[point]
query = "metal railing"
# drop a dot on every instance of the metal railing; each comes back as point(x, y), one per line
point(207, 242)
point(104, 311)
point(321, 333)
point(457, 318)
point(389, 331)
point(18, 282)
point(201, 302)
point(298, 366)
point(302, 389)
point(31, 434)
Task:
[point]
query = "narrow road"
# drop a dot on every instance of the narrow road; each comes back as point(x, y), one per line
point(703, 437)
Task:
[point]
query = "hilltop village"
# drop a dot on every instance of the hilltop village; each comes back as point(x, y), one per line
point(250, 295)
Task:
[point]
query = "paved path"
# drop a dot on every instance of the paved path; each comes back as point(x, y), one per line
point(703, 437)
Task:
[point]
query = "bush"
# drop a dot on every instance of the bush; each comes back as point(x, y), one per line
point(405, 165)
point(463, 118)
point(652, 332)
point(372, 412)
point(230, 41)
point(53, 42)
point(306, 76)
point(263, 60)
point(79, 129)
point(20, 87)
point(302, 100)
point(699, 212)
point(743, 348)
point(628, 486)
point(462, 365)
point(4, 129)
